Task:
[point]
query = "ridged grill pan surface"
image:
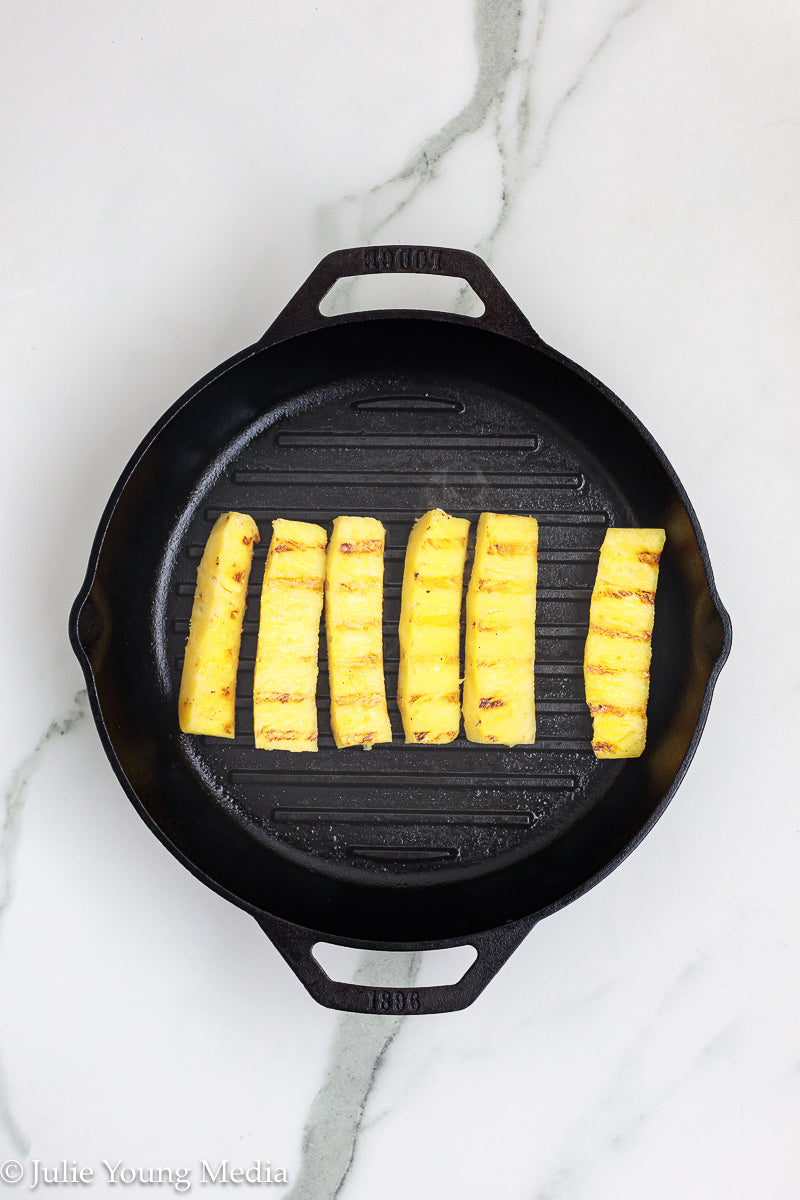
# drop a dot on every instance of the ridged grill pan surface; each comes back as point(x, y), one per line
point(388, 415)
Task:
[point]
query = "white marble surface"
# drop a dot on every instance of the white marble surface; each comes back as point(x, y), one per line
point(171, 172)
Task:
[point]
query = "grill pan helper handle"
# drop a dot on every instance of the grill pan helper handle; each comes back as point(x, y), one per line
point(296, 944)
point(302, 313)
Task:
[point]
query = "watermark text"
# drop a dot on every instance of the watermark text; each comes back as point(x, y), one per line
point(34, 1174)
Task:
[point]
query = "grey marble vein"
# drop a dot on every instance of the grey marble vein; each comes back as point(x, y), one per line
point(518, 158)
point(502, 102)
point(496, 32)
point(512, 145)
point(357, 1056)
point(14, 796)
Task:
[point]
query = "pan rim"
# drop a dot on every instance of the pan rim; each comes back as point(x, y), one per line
point(263, 346)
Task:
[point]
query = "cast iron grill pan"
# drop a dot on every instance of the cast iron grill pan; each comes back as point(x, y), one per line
point(388, 415)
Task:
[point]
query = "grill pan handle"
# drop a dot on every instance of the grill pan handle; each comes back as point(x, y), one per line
point(302, 313)
point(296, 944)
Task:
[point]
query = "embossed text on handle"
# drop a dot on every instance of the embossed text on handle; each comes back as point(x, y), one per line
point(394, 1001)
point(401, 258)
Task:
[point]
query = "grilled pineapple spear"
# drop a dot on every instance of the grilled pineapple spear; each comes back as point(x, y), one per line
point(617, 655)
point(428, 688)
point(354, 627)
point(207, 698)
point(501, 627)
point(287, 658)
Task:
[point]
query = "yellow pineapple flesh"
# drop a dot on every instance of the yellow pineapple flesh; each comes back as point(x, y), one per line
point(207, 700)
point(287, 657)
point(617, 654)
point(354, 629)
point(428, 690)
point(499, 647)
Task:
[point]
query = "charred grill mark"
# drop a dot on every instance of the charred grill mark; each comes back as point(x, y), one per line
point(366, 660)
point(281, 698)
point(362, 699)
point(358, 585)
point(448, 735)
point(367, 546)
point(289, 544)
point(510, 660)
point(516, 587)
point(614, 710)
point(360, 739)
point(238, 576)
point(604, 746)
point(650, 557)
point(600, 669)
point(489, 702)
point(628, 594)
point(285, 735)
point(644, 636)
point(358, 623)
point(442, 698)
point(511, 549)
point(498, 625)
point(296, 582)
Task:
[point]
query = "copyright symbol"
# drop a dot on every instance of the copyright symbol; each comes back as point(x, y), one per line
point(11, 1171)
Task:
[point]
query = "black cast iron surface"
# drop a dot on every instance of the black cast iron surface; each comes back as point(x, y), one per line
point(389, 414)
